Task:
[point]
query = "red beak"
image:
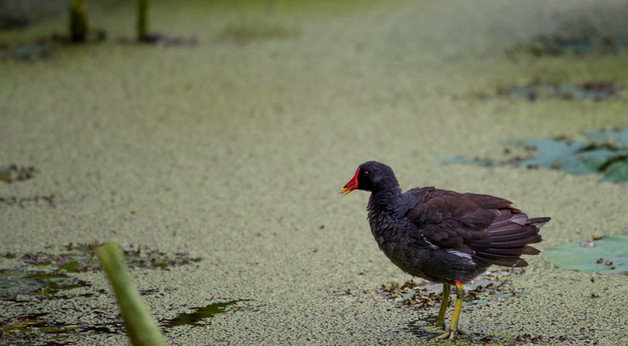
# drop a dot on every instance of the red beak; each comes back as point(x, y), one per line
point(351, 185)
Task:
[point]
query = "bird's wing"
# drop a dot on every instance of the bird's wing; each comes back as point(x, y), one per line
point(483, 226)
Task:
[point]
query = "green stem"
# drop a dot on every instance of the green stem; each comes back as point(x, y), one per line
point(142, 19)
point(140, 326)
point(78, 21)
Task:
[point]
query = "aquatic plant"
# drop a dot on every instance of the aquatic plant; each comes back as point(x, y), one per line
point(140, 325)
point(606, 153)
point(78, 21)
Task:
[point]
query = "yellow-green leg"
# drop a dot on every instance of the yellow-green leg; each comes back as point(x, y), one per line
point(453, 326)
point(439, 326)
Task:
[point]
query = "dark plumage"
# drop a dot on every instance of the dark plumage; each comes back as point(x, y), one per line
point(441, 235)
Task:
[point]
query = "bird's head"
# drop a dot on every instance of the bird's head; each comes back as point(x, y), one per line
point(370, 176)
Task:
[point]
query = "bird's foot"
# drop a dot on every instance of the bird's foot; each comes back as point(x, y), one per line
point(450, 334)
point(434, 329)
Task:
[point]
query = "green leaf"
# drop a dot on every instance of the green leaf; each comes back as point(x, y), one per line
point(620, 137)
point(608, 255)
point(574, 157)
point(598, 158)
point(617, 172)
point(557, 154)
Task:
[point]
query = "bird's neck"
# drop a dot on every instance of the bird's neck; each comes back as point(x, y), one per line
point(384, 200)
point(385, 217)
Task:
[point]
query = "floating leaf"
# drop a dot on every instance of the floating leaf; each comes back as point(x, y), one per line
point(597, 159)
point(609, 157)
point(557, 154)
point(608, 255)
point(619, 137)
point(617, 172)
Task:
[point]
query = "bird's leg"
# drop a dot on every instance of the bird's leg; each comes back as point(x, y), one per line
point(453, 326)
point(440, 319)
point(439, 326)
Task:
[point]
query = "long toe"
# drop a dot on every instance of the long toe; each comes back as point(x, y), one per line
point(449, 334)
point(434, 329)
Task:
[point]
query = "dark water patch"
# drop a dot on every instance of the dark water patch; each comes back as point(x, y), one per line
point(54, 269)
point(556, 45)
point(43, 48)
point(524, 338)
point(159, 39)
point(30, 51)
point(31, 329)
point(143, 257)
point(425, 298)
point(44, 276)
point(36, 329)
point(9, 21)
point(606, 153)
point(24, 202)
point(417, 329)
point(539, 90)
point(202, 315)
point(18, 282)
point(14, 173)
point(425, 295)
point(80, 257)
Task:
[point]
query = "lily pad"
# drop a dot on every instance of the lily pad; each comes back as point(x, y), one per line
point(617, 172)
point(557, 154)
point(608, 255)
point(608, 157)
point(618, 137)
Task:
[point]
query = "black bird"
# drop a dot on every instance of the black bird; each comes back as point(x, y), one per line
point(444, 236)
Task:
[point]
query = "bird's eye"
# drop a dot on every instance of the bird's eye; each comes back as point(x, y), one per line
point(365, 173)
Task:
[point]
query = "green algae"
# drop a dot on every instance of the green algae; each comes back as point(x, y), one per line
point(236, 152)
